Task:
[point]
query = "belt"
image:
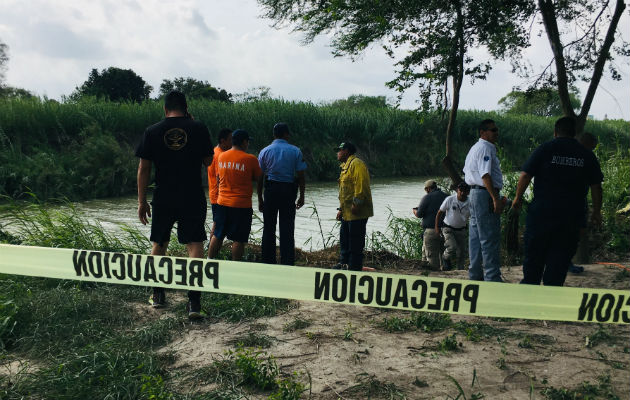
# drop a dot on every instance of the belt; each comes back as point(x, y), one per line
point(268, 182)
point(453, 228)
point(483, 188)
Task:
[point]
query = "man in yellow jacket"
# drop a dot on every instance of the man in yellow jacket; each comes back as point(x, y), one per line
point(355, 207)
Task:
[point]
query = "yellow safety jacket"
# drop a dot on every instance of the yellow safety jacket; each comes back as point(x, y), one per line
point(354, 188)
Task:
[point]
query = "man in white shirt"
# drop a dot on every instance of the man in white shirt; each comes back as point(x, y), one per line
point(482, 171)
point(455, 212)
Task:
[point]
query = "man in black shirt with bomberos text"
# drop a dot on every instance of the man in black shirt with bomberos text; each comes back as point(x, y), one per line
point(177, 146)
point(563, 171)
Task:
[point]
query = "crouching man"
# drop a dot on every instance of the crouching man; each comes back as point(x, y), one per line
point(454, 212)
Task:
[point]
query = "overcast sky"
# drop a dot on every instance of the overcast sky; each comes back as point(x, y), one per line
point(53, 45)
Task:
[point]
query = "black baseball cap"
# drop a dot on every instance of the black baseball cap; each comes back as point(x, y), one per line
point(347, 146)
point(239, 135)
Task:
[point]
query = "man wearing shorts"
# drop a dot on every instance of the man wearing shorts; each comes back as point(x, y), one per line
point(177, 146)
point(225, 143)
point(236, 170)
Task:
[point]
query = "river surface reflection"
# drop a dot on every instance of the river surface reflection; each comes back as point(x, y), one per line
point(399, 195)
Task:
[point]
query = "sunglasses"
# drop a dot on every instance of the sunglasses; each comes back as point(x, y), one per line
point(493, 130)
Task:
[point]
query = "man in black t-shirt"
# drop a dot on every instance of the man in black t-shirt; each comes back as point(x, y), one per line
point(177, 146)
point(563, 170)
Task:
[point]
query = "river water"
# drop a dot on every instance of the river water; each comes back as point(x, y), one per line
point(399, 195)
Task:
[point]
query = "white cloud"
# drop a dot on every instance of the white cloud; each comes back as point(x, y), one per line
point(54, 45)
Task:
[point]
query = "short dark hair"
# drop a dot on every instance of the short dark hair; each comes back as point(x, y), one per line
point(485, 125)
point(175, 101)
point(565, 126)
point(463, 186)
point(588, 140)
point(280, 129)
point(239, 136)
point(224, 133)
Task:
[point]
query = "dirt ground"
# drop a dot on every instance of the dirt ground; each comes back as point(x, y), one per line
point(348, 355)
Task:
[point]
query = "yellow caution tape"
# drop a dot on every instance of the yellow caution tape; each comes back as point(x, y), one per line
point(404, 292)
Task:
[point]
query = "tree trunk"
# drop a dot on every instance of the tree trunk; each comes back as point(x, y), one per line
point(548, 13)
point(551, 27)
point(599, 66)
point(458, 76)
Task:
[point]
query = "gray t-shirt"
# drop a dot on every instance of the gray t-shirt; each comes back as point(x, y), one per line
point(429, 206)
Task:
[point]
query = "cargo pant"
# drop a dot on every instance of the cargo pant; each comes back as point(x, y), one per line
point(456, 249)
point(432, 248)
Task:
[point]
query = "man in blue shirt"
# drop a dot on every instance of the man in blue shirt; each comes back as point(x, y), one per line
point(280, 162)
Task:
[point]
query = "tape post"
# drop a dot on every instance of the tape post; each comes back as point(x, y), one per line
point(373, 289)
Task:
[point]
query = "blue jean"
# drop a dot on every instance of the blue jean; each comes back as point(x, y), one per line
point(484, 238)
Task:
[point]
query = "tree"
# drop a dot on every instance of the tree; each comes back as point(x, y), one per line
point(194, 89)
point(430, 39)
point(361, 101)
point(544, 102)
point(258, 93)
point(10, 92)
point(581, 34)
point(114, 84)
point(4, 60)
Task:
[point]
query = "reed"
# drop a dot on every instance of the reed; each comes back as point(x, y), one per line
point(85, 149)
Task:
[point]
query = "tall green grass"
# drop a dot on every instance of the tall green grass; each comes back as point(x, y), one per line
point(37, 224)
point(403, 237)
point(79, 340)
point(85, 149)
point(616, 195)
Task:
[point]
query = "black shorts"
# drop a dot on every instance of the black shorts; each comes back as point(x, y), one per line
point(235, 223)
point(214, 211)
point(190, 223)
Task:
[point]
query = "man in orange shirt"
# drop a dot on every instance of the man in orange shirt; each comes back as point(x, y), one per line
point(225, 143)
point(236, 170)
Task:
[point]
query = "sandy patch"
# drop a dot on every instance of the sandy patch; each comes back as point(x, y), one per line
point(344, 346)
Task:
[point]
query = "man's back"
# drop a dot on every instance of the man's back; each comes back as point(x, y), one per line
point(429, 206)
point(177, 147)
point(280, 160)
point(563, 170)
point(236, 170)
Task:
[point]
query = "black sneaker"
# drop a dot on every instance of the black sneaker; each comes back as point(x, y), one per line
point(576, 269)
point(446, 264)
point(194, 310)
point(158, 298)
point(341, 266)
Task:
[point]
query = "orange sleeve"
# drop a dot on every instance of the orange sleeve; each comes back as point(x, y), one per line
point(256, 170)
